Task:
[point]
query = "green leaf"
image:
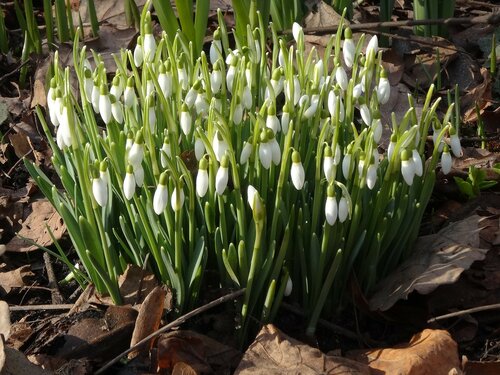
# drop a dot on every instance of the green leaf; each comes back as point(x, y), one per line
point(464, 187)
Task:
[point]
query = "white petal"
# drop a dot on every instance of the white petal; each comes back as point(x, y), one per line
point(221, 180)
point(149, 44)
point(165, 83)
point(185, 122)
point(288, 287)
point(265, 155)
point(136, 154)
point(417, 162)
point(202, 182)
point(199, 148)
point(129, 185)
point(117, 111)
point(408, 171)
point(160, 199)
point(139, 175)
point(343, 210)
point(328, 168)
point(371, 176)
point(100, 191)
point(365, 114)
point(348, 50)
point(446, 162)
point(331, 210)
point(276, 152)
point(105, 108)
point(341, 78)
point(346, 165)
point(372, 46)
point(177, 199)
point(298, 175)
point(245, 153)
point(251, 192)
point(296, 31)
point(456, 148)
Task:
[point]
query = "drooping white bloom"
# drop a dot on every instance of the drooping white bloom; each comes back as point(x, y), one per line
point(272, 121)
point(371, 176)
point(341, 77)
point(191, 96)
point(88, 85)
point(185, 120)
point(247, 97)
point(288, 287)
point(377, 130)
point(333, 99)
point(105, 104)
point(292, 97)
point(136, 153)
point(265, 154)
point(166, 152)
point(129, 97)
point(417, 162)
point(129, 183)
point(219, 145)
point(116, 87)
point(238, 114)
point(63, 132)
point(54, 104)
point(160, 198)
point(138, 53)
point(183, 77)
point(248, 74)
point(276, 82)
point(231, 73)
point(149, 47)
point(199, 148)
point(165, 82)
point(348, 49)
point(216, 47)
point(150, 87)
point(116, 110)
point(202, 178)
point(311, 110)
point(346, 165)
point(285, 119)
point(383, 88)
point(139, 175)
point(129, 142)
point(246, 152)
point(407, 167)
point(95, 97)
point(392, 145)
point(365, 114)
point(275, 151)
point(331, 208)
point(251, 195)
point(297, 32)
point(328, 164)
point(297, 172)
point(222, 176)
point(100, 191)
point(177, 199)
point(216, 79)
point(456, 148)
point(446, 161)
point(343, 209)
point(372, 47)
point(201, 104)
point(357, 90)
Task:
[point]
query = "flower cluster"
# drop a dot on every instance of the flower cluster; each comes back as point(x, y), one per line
point(300, 135)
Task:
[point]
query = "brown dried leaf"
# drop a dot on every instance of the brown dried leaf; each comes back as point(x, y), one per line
point(148, 319)
point(2, 355)
point(324, 16)
point(480, 95)
point(110, 12)
point(481, 368)
point(4, 320)
point(196, 351)
point(437, 259)
point(394, 65)
point(20, 143)
point(15, 363)
point(430, 352)
point(273, 352)
point(35, 228)
point(14, 279)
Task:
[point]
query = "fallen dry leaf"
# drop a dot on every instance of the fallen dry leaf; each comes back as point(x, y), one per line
point(2, 355)
point(437, 259)
point(324, 16)
point(480, 95)
point(273, 352)
point(4, 320)
point(15, 363)
point(481, 368)
point(188, 350)
point(148, 319)
point(34, 227)
point(430, 352)
point(394, 66)
point(14, 279)
point(111, 12)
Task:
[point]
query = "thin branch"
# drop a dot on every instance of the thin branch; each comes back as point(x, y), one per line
point(173, 324)
point(64, 306)
point(495, 306)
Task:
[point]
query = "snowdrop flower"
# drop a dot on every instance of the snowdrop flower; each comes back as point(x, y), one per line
point(285, 118)
point(231, 72)
point(116, 109)
point(341, 76)
point(96, 94)
point(150, 102)
point(346, 164)
point(392, 145)
point(238, 112)
point(292, 97)
point(331, 208)
point(136, 153)
point(365, 112)
point(177, 199)
point(311, 110)
point(116, 87)
point(129, 183)
point(255, 203)
point(201, 104)
point(265, 150)
point(57, 104)
point(199, 148)
point(343, 209)
point(182, 76)
point(202, 178)
point(149, 42)
point(319, 73)
point(138, 52)
point(297, 32)
point(275, 149)
point(185, 119)
point(276, 82)
point(446, 160)
point(51, 94)
point(160, 197)
point(165, 152)
point(139, 175)
point(372, 48)
point(272, 121)
point(407, 167)
point(256, 50)
point(377, 128)
point(165, 79)
point(361, 163)
point(222, 176)
point(150, 87)
point(383, 88)
point(246, 151)
point(216, 78)
point(219, 145)
point(63, 136)
point(216, 47)
point(328, 164)
point(105, 104)
point(348, 49)
point(248, 74)
point(288, 287)
point(129, 97)
point(100, 186)
point(281, 58)
point(129, 142)
point(190, 97)
point(417, 162)
point(456, 148)
point(371, 176)
point(297, 172)
point(88, 85)
point(247, 97)
point(357, 91)
point(333, 99)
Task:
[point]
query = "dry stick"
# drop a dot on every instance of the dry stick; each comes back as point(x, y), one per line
point(491, 19)
point(465, 312)
point(56, 296)
point(173, 324)
point(64, 306)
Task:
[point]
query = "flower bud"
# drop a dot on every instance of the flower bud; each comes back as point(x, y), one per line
point(417, 162)
point(219, 145)
point(246, 152)
point(185, 120)
point(288, 287)
point(407, 167)
point(105, 104)
point(348, 49)
point(446, 161)
point(331, 208)
point(138, 53)
point(456, 148)
point(383, 88)
point(343, 209)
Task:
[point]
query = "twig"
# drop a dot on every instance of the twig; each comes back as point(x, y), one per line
point(64, 306)
point(465, 312)
point(173, 324)
point(490, 19)
point(55, 293)
point(11, 73)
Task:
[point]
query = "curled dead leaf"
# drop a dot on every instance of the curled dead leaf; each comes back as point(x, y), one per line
point(14, 279)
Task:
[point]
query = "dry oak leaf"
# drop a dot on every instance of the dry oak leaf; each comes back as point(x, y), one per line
point(437, 259)
point(273, 352)
point(14, 279)
point(430, 352)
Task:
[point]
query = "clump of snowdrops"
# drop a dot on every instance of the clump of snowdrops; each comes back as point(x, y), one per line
point(262, 164)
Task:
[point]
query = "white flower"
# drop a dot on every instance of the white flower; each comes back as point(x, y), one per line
point(337, 156)
point(343, 209)
point(348, 49)
point(341, 77)
point(456, 148)
point(64, 131)
point(446, 160)
point(392, 145)
point(246, 152)
point(297, 172)
point(346, 165)
point(331, 210)
point(383, 90)
point(160, 197)
point(247, 97)
point(251, 195)
point(136, 153)
point(417, 162)
point(377, 129)
point(183, 78)
point(129, 97)
point(139, 175)
point(265, 154)
point(202, 180)
point(129, 183)
point(272, 121)
point(88, 85)
point(138, 53)
point(332, 105)
point(328, 164)
point(357, 91)
point(201, 104)
point(215, 81)
point(215, 48)
point(185, 120)
point(365, 114)
point(117, 111)
point(297, 32)
point(95, 97)
point(371, 176)
point(311, 111)
point(238, 114)
point(222, 176)
point(165, 83)
point(288, 287)
point(219, 145)
point(407, 167)
point(54, 104)
point(295, 96)
point(149, 47)
point(275, 150)
point(129, 142)
point(190, 97)
point(177, 199)
point(105, 105)
point(199, 148)
point(100, 191)
point(150, 88)
point(116, 87)
point(372, 47)
point(285, 119)
point(165, 153)
point(248, 74)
